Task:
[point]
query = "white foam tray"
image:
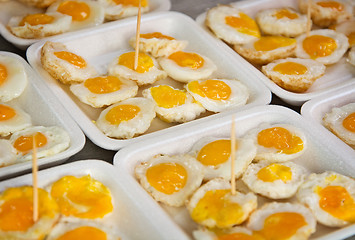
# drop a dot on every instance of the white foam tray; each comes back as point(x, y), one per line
point(322, 154)
point(45, 110)
point(132, 217)
point(336, 76)
point(99, 47)
point(11, 8)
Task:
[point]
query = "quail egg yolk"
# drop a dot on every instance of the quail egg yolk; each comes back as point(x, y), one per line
point(285, 13)
point(71, 58)
point(85, 232)
point(156, 35)
point(212, 89)
point(238, 236)
point(290, 68)
point(144, 61)
point(79, 11)
point(351, 38)
point(281, 139)
point(36, 19)
point(332, 4)
point(25, 143)
point(337, 201)
point(275, 172)
point(134, 3)
point(216, 205)
point(122, 113)
point(349, 122)
point(167, 97)
point(82, 197)
point(215, 153)
point(167, 178)
point(185, 59)
point(269, 43)
point(6, 112)
point(3, 74)
point(243, 24)
point(319, 46)
point(102, 85)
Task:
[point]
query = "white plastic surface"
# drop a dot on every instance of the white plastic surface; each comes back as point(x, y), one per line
point(323, 153)
point(11, 8)
point(99, 47)
point(336, 76)
point(45, 110)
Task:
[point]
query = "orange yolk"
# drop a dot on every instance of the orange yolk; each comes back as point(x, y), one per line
point(351, 38)
point(212, 89)
point(102, 85)
point(349, 122)
point(79, 11)
point(269, 43)
point(275, 172)
point(290, 68)
point(3, 74)
point(25, 143)
point(156, 35)
point(319, 46)
point(285, 13)
point(6, 112)
point(36, 19)
point(331, 4)
point(82, 197)
point(281, 139)
point(167, 97)
point(71, 58)
point(85, 232)
point(185, 59)
point(243, 24)
point(122, 113)
point(215, 153)
point(167, 178)
point(144, 61)
point(238, 236)
point(134, 3)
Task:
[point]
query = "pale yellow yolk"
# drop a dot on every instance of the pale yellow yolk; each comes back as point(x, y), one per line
point(351, 38)
point(238, 236)
point(167, 178)
point(167, 97)
point(290, 68)
point(3, 74)
point(269, 43)
point(243, 24)
point(319, 46)
point(82, 197)
point(6, 112)
point(102, 85)
point(285, 13)
point(216, 205)
point(215, 153)
point(71, 58)
point(349, 122)
point(144, 61)
point(79, 11)
point(337, 201)
point(122, 113)
point(36, 19)
point(25, 143)
point(134, 3)
point(156, 35)
point(275, 172)
point(85, 232)
point(331, 4)
point(282, 225)
point(281, 139)
point(185, 59)
point(212, 89)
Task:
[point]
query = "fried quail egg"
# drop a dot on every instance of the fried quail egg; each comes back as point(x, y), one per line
point(267, 49)
point(232, 25)
point(215, 156)
point(274, 180)
point(324, 45)
point(16, 218)
point(84, 13)
point(234, 233)
point(213, 205)
point(331, 197)
point(170, 179)
point(278, 142)
point(82, 197)
point(173, 105)
point(282, 221)
point(12, 119)
point(104, 90)
point(7, 153)
point(158, 44)
point(218, 95)
point(118, 9)
point(346, 28)
point(64, 65)
point(39, 25)
point(351, 56)
point(187, 66)
point(128, 118)
point(294, 74)
point(148, 70)
point(341, 121)
point(13, 78)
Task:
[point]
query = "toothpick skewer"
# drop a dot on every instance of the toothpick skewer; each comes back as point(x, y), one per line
point(34, 179)
point(309, 22)
point(137, 36)
point(233, 156)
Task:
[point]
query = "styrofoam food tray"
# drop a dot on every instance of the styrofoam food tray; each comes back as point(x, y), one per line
point(101, 46)
point(322, 154)
point(335, 77)
point(45, 110)
point(131, 217)
point(315, 109)
point(11, 8)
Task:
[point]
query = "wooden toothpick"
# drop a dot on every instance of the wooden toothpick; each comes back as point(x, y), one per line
point(309, 21)
point(137, 36)
point(34, 179)
point(233, 156)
